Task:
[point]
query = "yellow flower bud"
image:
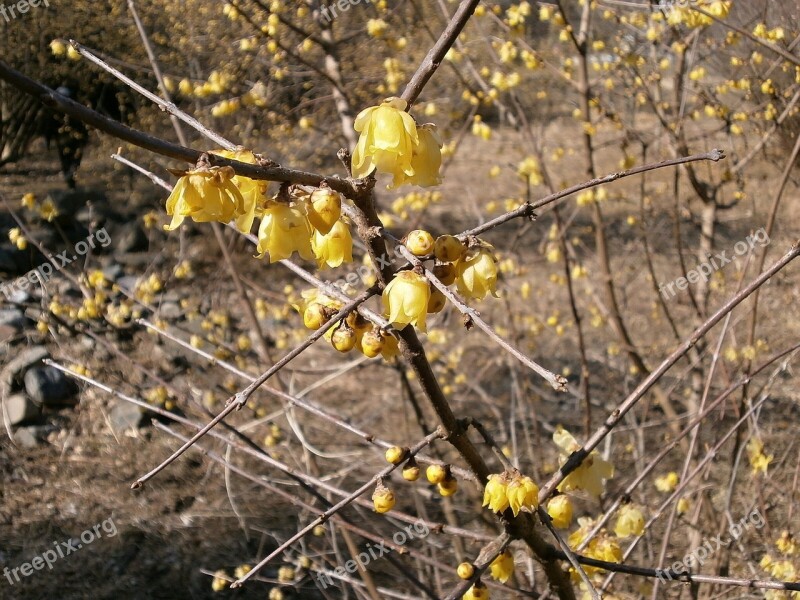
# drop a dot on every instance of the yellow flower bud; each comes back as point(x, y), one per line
point(405, 300)
point(324, 209)
point(465, 570)
point(495, 494)
point(560, 511)
point(315, 315)
point(436, 473)
point(372, 343)
point(446, 273)
point(286, 574)
point(383, 499)
point(344, 338)
point(477, 274)
point(395, 454)
point(436, 302)
point(419, 242)
point(502, 568)
point(220, 581)
point(522, 492)
point(630, 521)
point(477, 592)
point(448, 248)
point(411, 470)
point(58, 48)
point(448, 487)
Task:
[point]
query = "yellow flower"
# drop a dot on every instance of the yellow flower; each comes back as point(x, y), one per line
point(477, 273)
point(502, 567)
point(324, 209)
point(667, 483)
point(630, 521)
point(590, 474)
point(395, 454)
point(205, 194)
point(465, 570)
point(426, 157)
point(411, 470)
point(477, 592)
point(448, 487)
point(436, 473)
point(405, 300)
point(560, 511)
point(522, 492)
point(334, 248)
point(253, 191)
point(419, 242)
point(29, 201)
point(448, 249)
point(372, 343)
point(48, 210)
point(15, 237)
point(388, 136)
point(383, 499)
point(284, 229)
point(755, 453)
point(220, 581)
point(495, 495)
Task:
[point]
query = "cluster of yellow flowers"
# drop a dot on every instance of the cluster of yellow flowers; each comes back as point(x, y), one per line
point(409, 298)
point(308, 223)
point(354, 331)
point(384, 499)
point(592, 472)
point(16, 237)
point(759, 461)
point(511, 490)
point(685, 15)
point(783, 568)
point(391, 142)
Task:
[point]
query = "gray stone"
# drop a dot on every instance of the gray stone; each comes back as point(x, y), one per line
point(13, 318)
point(20, 408)
point(48, 386)
point(170, 310)
point(26, 437)
point(22, 361)
point(125, 415)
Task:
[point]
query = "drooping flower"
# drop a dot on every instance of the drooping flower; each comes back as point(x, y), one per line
point(560, 511)
point(426, 157)
point(405, 300)
point(205, 194)
point(388, 136)
point(324, 209)
point(502, 567)
point(284, 230)
point(333, 248)
point(477, 273)
point(495, 494)
point(667, 483)
point(630, 521)
point(253, 191)
point(383, 499)
point(477, 592)
point(522, 492)
point(590, 474)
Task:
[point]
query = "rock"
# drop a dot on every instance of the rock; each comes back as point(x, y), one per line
point(12, 317)
point(125, 415)
point(20, 408)
point(26, 437)
point(24, 360)
point(170, 310)
point(49, 386)
point(112, 271)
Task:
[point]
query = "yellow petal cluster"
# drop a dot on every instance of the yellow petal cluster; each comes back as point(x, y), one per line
point(477, 592)
point(284, 230)
point(592, 472)
point(560, 511)
point(253, 191)
point(405, 300)
point(205, 194)
point(630, 521)
point(390, 142)
point(504, 490)
point(476, 273)
point(335, 247)
point(502, 567)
